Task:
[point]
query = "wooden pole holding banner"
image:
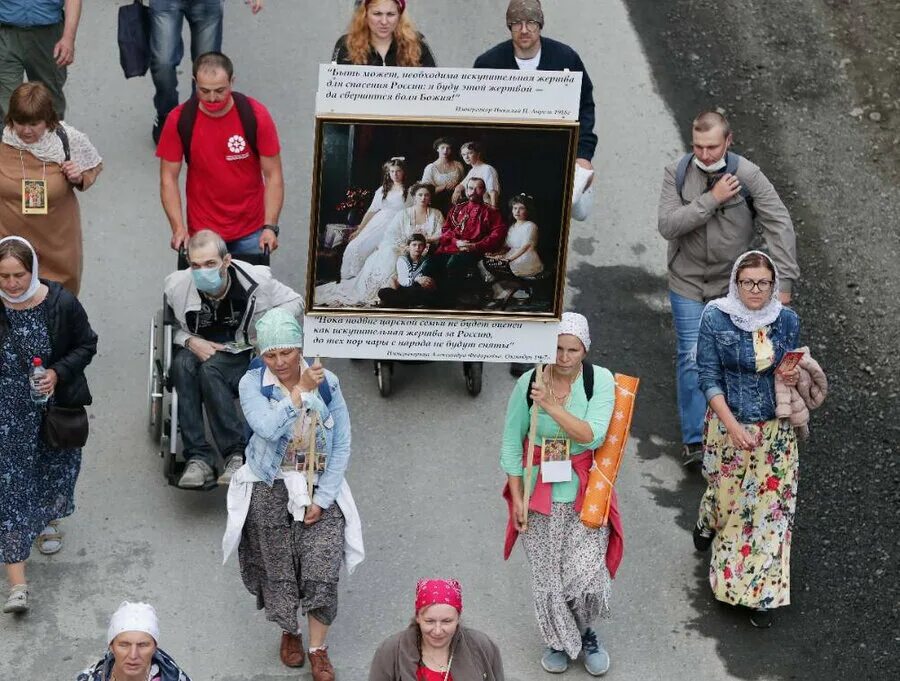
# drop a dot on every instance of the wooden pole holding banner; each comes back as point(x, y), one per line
point(532, 435)
point(311, 456)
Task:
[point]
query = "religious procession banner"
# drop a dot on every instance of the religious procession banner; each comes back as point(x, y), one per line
point(440, 211)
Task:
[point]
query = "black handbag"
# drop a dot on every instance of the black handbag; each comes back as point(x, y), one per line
point(61, 427)
point(64, 427)
point(134, 39)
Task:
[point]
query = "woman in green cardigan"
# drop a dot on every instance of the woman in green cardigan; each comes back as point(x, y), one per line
point(570, 577)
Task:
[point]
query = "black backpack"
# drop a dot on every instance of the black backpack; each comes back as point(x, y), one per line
point(587, 372)
point(189, 117)
point(731, 164)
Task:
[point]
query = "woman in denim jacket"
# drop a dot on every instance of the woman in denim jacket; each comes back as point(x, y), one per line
point(750, 456)
point(291, 545)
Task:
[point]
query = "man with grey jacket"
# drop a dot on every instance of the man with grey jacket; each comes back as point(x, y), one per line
point(713, 204)
point(216, 304)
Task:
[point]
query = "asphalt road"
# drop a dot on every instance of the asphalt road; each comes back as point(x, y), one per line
point(424, 468)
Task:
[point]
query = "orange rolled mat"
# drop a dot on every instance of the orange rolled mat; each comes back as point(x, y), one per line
point(608, 457)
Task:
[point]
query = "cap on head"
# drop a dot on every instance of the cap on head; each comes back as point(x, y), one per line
point(576, 325)
point(277, 329)
point(524, 10)
point(133, 617)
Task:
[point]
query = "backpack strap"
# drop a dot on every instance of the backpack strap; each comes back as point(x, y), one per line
point(731, 165)
point(64, 138)
point(188, 119)
point(587, 374)
point(186, 122)
point(248, 119)
point(680, 172)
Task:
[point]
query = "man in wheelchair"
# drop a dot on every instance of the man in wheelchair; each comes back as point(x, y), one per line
point(216, 303)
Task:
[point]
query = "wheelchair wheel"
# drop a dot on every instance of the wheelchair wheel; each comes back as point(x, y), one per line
point(384, 371)
point(155, 378)
point(473, 372)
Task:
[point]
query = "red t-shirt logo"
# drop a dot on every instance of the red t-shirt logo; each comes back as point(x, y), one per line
point(236, 144)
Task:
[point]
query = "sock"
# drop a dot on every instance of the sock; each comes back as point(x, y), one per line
point(317, 649)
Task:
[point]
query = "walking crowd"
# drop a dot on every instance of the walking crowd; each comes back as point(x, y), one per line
point(745, 384)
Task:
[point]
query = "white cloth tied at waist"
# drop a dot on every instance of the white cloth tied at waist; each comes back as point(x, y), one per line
point(241, 489)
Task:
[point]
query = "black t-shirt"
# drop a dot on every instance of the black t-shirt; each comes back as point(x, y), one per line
point(218, 320)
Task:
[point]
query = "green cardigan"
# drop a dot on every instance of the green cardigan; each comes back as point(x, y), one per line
point(597, 413)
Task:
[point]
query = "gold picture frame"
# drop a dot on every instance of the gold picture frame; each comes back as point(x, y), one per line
point(536, 158)
point(34, 197)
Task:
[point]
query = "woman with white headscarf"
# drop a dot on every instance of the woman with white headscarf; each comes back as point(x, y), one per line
point(750, 456)
point(40, 322)
point(134, 653)
point(42, 162)
point(571, 566)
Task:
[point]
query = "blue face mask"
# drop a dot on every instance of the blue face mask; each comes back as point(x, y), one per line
point(207, 279)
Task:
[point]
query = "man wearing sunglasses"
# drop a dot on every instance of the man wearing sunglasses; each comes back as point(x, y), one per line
point(713, 206)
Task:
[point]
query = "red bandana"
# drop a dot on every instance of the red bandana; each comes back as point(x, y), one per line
point(438, 591)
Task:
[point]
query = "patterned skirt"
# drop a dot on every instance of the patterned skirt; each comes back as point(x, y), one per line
point(569, 577)
point(750, 502)
point(288, 565)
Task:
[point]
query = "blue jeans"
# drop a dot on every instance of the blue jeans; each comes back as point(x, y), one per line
point(213, 383)
point(245, 244)
point(204, 18)
point(686, 314)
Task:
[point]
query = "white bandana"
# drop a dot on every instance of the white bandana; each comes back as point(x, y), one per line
point(133, 617)
point(49, 148)
point(576, 325)
point(742, 317)
point(35, 281)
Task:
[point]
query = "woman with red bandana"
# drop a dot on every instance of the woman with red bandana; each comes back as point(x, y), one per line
point(436, 646)
point(572, 565)
point(382, 34)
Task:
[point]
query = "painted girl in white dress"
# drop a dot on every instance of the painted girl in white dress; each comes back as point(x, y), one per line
point(389, 199)
point(380, 266)
point(519, 254)
point(472, 155)
point(444, 173)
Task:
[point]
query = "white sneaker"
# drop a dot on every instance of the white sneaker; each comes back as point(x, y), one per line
point(196, 474)
point(234, 462)
point(17, 603)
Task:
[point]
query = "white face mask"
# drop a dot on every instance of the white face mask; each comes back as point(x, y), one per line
point(713, 167)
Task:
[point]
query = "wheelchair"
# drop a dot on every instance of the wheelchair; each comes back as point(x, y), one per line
point(162, 398)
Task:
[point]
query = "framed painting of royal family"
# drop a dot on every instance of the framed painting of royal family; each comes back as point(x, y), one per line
point(431, 218)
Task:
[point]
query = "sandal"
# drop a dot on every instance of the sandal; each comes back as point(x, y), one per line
point(49, 541)
point(17, 602)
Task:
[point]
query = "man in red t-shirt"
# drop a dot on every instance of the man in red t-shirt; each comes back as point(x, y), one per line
point(230, 189)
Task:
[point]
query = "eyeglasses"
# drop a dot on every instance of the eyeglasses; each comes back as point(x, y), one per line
point(762, 285)
point(522, 25)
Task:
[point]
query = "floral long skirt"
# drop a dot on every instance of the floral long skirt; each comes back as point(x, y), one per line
point(750, 502)
point(569, 577)
point(288, 565)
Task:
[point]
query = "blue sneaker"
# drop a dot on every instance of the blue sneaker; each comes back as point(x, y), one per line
point(554, 661)
point(596, 659)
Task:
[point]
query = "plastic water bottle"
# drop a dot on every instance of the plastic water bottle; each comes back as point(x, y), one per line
point(35, 377)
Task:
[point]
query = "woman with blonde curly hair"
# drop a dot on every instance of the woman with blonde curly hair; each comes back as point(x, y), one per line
point(382, 34)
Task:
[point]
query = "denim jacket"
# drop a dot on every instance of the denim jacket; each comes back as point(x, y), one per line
point(272, 422)
point(727, 363)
